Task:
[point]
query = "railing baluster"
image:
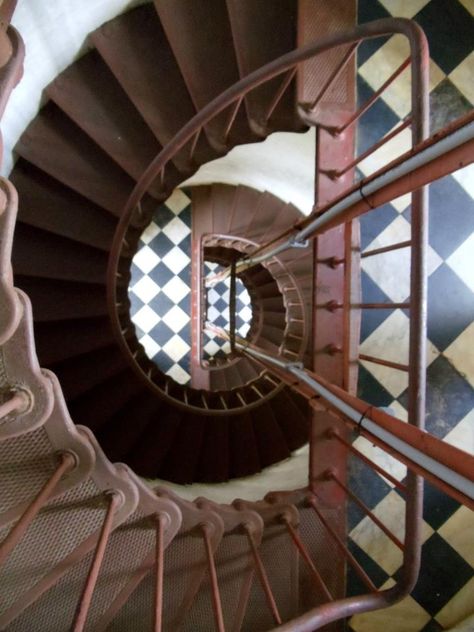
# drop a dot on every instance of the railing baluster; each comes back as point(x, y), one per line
point(216, 597)
point(370, 463)
point(67, 462)
point(406, 123)
point(366, 510)
point(280, 92)
point(88, 590)
point(263, 577)
point(382, 305)
point(159, 566)
point(363, 109)
point(194, 143)
point(347, 554)
point(232, 117)
point(379, 251)
point(16, 403)
point(334, 75)
point(389, 363)
point(305, 555)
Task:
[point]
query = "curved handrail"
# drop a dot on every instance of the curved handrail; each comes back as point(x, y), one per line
point(189, 132)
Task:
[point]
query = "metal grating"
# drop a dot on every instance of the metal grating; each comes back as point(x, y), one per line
point(58, 529)
point(26, 463)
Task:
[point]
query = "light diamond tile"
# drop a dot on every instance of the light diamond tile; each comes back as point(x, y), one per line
point(384, 62)
point(244, 330)
point(212, 296)
point(176, 319)
point(211, 347)
point(176, 348)
point(178, 374)
point(381, 458)
point(146, 259)
point(176, 289)
point(390, 341)
point(212, 314)
point(460, 353)
point(402, 8)
point(462, 435)
point(150, 232)
point(405, 616)
point(146, 318)
point(176, 230)
point(176, 260)
point(151, 346)
point(391, 270)
point(458, 609)
point(177, 201)
point(146, 289)
point(468, 5)
point(246, 314)
point(390, 511)
point(462, 77)
point(392, 149)
point(398, 410)
point(458, 532)
point(462, 262)
point(465, 177)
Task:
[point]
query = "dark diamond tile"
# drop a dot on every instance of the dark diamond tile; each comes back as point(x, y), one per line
point(449, 36)
point(220, 321)
point(443, 574)
point(372, 318)
point(451, 216)
point(161, 274)
point(446, 104)
point(162, 216)
point(355, 585)
point(374, 223)
point(185, 245)
point(370, 390)
point(448, 397)
point(369, 10)
point(185, 334)
point(432, 626)
point(161, 333)
point(366, 484)
point(163, 361)
point(221, 305)
point(138, 332)
point(161, 304)
point(376, 122)
point(185, 215)
point(450, 307)
point(185, 304)
point(185, 274)
point(135, 303)
point(135, 274)
point(437, 507)
point(221, 288)
point(161, 244)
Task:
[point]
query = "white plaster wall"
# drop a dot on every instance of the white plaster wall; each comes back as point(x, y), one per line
point(54, 34)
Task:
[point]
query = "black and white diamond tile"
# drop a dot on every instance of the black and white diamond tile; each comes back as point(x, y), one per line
point(160, 288)
point(217, 299)
point(444, 595)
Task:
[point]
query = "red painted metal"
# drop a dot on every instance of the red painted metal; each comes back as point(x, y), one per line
point(342, 547)
point(15, 404)
point(262, 576)
point(335, 74)
point(280, 92)
point(318, 580)
point(66, 463)
point(114, 501)
point(379, 251)
point(211, 566)
point(392, 365)
point(159, 567)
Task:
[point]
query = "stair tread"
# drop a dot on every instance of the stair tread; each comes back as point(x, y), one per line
point(246, 203)
point(90, 95)
point(47, 204)
point(213, 465)
point(205, 56)
point(293, 424)
point(43, 254)
point(182, 459)
point(243, 453)
point(55, 144)
point(136, 50)
point(271, 443)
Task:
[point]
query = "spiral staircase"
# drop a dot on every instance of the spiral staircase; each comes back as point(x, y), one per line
point(85, 544)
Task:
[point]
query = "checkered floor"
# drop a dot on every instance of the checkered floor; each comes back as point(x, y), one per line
point(444, 594)
point(160, 288)
point(218, 313)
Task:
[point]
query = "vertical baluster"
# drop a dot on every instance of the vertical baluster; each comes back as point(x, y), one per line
point(85, 601)
point(216, 598)
point(159, 564)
